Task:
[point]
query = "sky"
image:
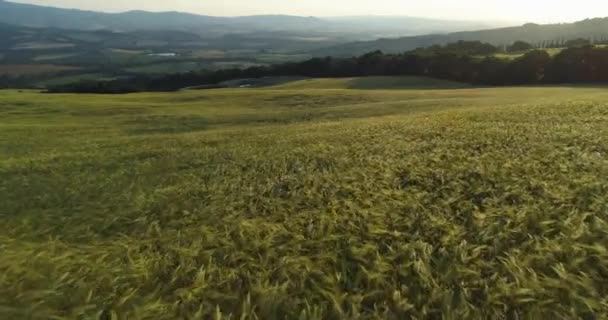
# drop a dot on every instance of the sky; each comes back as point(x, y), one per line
point(540, 11)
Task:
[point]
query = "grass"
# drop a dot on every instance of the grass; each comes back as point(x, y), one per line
point(374, 83)
point(305, 203)
point(514, 55)
point(509, 56)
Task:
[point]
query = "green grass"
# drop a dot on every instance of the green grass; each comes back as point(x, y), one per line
point(305, 203)
point(374, 83)
point(509, 56)
point(514, 55)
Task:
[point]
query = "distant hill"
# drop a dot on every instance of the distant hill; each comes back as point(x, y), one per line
point(45, 17)
point(18, 38)
point(19, 42)
point(386, 26)
point(365, 27)
point(594, 29)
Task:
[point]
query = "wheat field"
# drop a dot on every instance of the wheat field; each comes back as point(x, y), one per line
point(311, 201)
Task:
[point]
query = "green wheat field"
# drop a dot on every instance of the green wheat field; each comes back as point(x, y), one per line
point(378, 198)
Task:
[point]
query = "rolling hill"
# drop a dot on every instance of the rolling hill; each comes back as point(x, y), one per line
point(305, 203)
point(50, 17)
point(108, 45)
point(209, 26)
point(590, 29)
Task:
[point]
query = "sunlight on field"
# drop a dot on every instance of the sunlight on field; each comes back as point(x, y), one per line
point(296, 202)
point(512, 56)
point(369, 83)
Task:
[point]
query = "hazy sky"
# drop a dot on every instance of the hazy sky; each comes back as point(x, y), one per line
point(514, 10)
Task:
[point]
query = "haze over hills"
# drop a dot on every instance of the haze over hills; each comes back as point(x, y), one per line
point(41, 45)
point(340, 36)
point(364, 27)
point(593, 29)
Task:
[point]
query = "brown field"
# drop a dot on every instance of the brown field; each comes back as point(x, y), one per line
point(209, 54)
point(31, 69)
point(125, 51)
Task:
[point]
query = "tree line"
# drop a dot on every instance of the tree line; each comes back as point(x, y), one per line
point(465, 61)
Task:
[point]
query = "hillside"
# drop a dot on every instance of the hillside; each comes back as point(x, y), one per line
point(19, 38)
point(208, 26)
point(372, 83)
point(50, 17)
point(533, 33)
point(113, 53)
point(305, 203)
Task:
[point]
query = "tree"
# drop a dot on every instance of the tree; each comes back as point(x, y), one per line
point(528, 69)
point(470, 48)
point(572, 65)
point(519, 46)
point(576, 65)
point(578, 43)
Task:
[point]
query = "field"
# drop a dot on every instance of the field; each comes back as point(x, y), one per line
point(32, 69)
point(306, 202)
point(168, 67)
point(42, 45)
point(373, 83)
point(514, 55)
point(57, 56)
